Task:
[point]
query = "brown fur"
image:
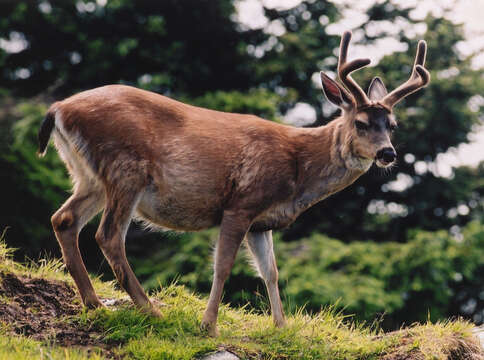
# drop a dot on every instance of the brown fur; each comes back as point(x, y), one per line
point(136, 153)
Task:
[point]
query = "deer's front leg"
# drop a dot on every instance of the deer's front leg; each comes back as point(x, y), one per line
point(262, 250)
point(232, 231)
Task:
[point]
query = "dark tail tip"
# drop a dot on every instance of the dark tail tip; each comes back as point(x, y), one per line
point(45, 131)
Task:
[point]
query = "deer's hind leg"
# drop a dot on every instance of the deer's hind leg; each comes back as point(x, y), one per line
point(67, 223)
point(121, 200)
point(86, 201)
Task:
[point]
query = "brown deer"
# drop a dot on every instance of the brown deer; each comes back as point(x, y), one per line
point(138, 154)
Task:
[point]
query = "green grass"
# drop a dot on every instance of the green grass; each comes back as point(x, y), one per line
point(21, 348)
point(134, 335)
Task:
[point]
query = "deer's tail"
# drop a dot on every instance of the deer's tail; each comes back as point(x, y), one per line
point(45, 131)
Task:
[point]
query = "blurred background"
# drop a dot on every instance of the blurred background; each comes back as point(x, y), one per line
point(399, 246)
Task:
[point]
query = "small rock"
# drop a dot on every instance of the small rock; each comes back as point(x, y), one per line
point(109, 302)
point(221, 355)
point(479, 333)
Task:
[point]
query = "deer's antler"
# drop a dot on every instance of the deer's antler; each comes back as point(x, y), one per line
point(420, 77)
point(346, 68)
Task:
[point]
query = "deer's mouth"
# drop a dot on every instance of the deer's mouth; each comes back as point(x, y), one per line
point(383, 164)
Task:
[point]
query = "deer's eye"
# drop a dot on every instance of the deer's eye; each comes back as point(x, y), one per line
point(360, 125)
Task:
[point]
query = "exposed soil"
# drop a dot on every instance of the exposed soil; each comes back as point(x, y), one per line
point(457, 349)
point(42, 309)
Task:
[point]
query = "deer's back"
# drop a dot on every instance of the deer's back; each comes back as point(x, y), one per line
point(195, 162)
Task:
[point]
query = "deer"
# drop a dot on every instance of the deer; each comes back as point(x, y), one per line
point(135, 154)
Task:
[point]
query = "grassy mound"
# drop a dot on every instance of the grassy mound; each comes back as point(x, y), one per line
point(41, 318)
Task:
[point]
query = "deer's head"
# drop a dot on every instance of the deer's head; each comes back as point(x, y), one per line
point(369, 116)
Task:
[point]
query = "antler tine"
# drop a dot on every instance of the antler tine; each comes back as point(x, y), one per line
point(346, 68)
point(420, 77)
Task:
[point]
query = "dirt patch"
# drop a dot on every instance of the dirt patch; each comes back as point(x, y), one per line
point(447, 347)
point(43, 310)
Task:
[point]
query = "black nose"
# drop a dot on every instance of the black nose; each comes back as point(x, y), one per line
point(387, 154)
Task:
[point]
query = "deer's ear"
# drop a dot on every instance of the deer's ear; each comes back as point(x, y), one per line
point(377, 89)
point(335, 93)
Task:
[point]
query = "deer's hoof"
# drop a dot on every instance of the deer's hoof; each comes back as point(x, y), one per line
point(280, 323)
point(93, 303)
point(209, 328)
point(151, 310)
point(155, 312)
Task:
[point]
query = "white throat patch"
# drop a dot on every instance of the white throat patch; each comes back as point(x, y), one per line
point(358, 163)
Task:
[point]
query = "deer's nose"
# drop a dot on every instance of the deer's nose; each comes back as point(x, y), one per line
point(387, 154)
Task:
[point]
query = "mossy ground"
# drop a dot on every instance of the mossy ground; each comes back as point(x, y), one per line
point(121, 331)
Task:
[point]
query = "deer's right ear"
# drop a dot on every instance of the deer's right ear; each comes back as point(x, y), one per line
point(335, 93)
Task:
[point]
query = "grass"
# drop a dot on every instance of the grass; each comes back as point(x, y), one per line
point(131, 334)
point(21, 348)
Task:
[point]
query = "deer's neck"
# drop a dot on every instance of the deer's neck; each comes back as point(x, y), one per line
point(326, 163)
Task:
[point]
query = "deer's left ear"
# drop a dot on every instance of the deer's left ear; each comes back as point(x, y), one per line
point(336, 93)
point(377, 89)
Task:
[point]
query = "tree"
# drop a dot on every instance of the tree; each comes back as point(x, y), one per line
point(194, 51)
point(431, 122)
point(183, 48)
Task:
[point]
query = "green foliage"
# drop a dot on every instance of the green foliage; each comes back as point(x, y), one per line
point(177, 335)
point(433, 274)
point(122, 41)
point(188, 261)
point(259, 102)
point(33, 188)
point(21, 348)
point(223, 66)
point(46, 178)
point(405, 281)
